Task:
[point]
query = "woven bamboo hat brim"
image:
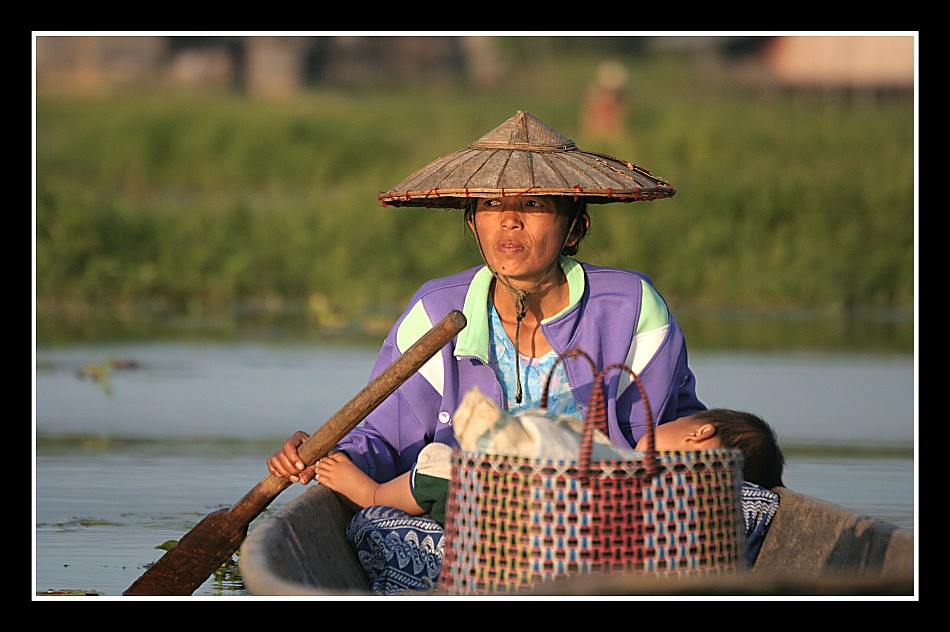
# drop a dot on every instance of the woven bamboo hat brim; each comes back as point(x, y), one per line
point(523, 156)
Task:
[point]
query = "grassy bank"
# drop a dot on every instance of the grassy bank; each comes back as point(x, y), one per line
point(71, 443)
point(226, 213)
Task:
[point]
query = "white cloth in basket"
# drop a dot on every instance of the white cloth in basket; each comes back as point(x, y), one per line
point(481, 426)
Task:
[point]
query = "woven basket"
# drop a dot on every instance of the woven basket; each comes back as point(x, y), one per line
point(515, 521)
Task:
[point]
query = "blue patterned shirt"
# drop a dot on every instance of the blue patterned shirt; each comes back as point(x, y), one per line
point(533, 373)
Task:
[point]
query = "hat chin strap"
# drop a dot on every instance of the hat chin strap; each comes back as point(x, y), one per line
point(521, 297)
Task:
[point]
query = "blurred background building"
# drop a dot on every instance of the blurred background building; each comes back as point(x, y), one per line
point(277, 66)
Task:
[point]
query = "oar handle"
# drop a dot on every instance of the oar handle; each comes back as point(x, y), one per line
point(353, 412)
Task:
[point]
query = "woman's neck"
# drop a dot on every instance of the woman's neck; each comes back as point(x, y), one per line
point(542, 299)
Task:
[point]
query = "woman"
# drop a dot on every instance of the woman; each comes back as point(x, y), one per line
point(525, 190)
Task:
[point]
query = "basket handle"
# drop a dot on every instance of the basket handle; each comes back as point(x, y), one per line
point(597, 417)
point(570, 353)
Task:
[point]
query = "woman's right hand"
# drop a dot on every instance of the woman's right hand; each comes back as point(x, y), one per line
point(286, 463)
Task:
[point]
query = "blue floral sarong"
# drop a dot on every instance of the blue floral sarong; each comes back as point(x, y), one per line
point(758, 508)
point(399, 552)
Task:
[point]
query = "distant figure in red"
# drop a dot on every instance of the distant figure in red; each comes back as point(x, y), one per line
point(605, 109)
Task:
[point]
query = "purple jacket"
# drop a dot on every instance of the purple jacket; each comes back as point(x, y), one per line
point(614, 315)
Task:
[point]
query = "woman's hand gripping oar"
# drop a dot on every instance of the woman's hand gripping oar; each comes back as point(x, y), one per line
point(211, 542)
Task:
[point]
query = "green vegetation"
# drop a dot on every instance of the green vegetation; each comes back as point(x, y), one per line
point(170, 214)
point(212, 448)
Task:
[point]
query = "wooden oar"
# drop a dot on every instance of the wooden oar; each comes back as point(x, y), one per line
point(211, 542)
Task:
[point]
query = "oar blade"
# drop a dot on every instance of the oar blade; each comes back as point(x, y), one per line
point(198, 554)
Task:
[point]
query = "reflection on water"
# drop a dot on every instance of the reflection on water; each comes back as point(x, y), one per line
point(255, 390)
point(100, 515)
point(197, 390)
point(847, 399)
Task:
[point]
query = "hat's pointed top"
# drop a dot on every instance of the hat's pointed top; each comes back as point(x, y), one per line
point(524, 132)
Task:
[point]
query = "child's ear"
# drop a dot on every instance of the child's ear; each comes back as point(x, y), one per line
point(704, 432)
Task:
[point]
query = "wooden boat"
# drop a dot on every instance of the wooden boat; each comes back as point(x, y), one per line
point(813, 548)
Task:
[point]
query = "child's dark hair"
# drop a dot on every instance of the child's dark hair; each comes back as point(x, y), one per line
point(764, 461)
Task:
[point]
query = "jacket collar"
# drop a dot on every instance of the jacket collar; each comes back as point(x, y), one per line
point(473, 340)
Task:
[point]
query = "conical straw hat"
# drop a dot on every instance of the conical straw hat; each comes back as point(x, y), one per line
point(523, 156)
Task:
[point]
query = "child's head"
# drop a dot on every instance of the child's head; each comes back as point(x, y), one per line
point(724, 428)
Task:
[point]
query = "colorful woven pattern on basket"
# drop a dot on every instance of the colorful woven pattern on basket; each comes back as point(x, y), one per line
point(692, 513)
point(514, 521)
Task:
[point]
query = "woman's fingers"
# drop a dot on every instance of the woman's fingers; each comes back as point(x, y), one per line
point(286, 462)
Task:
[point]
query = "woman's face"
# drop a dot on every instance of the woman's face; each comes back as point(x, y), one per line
point(521, 236)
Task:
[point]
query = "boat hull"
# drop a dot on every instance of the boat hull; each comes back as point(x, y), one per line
point(301, 549)
point(813, 547)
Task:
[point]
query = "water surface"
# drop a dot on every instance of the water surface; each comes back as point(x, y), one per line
point(128, 462)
